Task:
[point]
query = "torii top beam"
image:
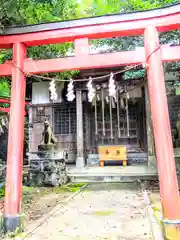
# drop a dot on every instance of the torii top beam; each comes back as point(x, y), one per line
point(116, 25)
point(104, 26)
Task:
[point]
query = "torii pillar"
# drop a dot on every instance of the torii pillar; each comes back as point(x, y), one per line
point(169, 190)
point(15, 141)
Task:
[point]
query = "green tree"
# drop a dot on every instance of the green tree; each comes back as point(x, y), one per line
point(38, 11)
point(9, 12)
point(57, 10)
point(4, 88)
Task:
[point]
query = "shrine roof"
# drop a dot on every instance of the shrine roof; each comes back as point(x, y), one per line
point(120, 17)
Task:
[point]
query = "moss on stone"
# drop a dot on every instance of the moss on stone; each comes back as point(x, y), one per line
point(102, 213)
point(71, 187)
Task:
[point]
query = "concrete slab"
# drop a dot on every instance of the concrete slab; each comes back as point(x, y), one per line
point(136, 170)
point(112, 173)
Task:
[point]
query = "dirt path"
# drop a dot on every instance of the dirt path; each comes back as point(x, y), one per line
point(102, 211)
point(38, 201)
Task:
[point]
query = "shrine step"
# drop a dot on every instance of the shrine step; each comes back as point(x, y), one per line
point(112, 174)
point(113, 179)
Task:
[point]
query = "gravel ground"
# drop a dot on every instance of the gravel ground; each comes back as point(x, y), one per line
point(102, 211)
point(38, 202)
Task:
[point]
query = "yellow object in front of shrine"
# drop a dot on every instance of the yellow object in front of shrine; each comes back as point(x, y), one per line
point(112, 153)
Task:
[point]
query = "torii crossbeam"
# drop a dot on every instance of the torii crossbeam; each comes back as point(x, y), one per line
point(147, 23)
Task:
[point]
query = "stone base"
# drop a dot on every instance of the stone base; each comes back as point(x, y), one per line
point(11, 224)
point(151, 161)
point(80, 162)
point(113, 179)
point(112, 173)
point(50, 171)
point(172, 231)
point(47, 147)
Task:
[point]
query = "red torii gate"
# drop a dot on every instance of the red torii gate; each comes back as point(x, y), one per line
point(7, 108)
point(147, 23)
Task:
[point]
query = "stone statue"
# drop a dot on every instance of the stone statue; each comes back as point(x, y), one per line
point(48, 136)
point(177, 132)
point(47, 165)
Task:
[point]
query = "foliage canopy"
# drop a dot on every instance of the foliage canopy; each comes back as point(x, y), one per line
point(18, 12)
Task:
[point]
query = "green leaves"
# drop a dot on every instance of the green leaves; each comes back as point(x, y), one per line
point(38, 11)
point(4, 88)
point(9, 12)
point(134, 74)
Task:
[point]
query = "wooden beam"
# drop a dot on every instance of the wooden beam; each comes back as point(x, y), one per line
point(6, 69)
point(86, 61)
point(126, 27)
point(169, 53)
point(80, 161)
point(149, 128)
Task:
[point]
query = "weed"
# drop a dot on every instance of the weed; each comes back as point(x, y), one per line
point(103, 213)
point(69, 187)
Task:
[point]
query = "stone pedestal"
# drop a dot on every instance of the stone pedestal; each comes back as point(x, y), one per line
point(47, 148)
point(80, 163)
point(47, 166)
